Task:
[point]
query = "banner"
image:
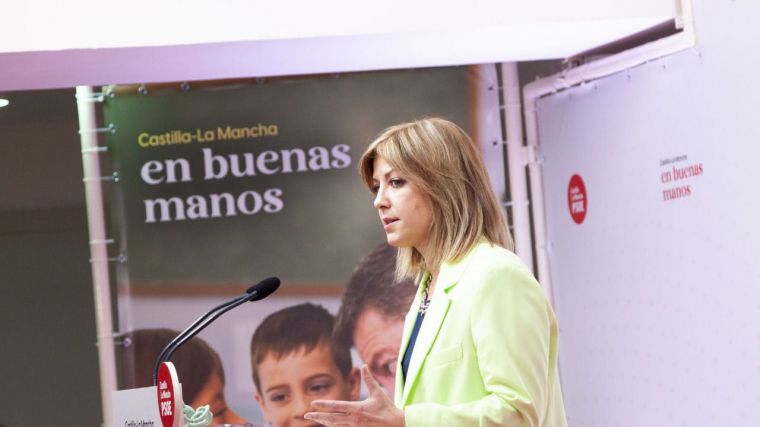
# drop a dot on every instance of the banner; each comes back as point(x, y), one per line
point(222, 185)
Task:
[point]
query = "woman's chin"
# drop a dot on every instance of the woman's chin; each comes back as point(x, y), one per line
point(391, 240)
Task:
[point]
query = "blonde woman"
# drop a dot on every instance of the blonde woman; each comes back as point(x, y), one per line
point(479, 346)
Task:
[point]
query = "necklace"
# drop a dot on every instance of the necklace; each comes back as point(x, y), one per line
point(425, 303)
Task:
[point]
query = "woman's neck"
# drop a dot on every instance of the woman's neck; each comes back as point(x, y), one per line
point(432, 269)
point(432, 281)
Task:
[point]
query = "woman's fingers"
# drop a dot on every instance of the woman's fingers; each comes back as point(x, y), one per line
point(372, 385)
point(335, 406)
point(329, 418)
point(376, 410)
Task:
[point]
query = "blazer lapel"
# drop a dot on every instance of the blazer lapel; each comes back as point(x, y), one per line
point(448, 277)
point(431, 325)
point(408, 328)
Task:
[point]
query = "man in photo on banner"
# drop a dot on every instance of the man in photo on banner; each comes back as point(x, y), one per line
point(371, 314)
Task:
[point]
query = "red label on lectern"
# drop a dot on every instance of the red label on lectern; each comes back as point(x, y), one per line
point(168, 401)
point(577, 200)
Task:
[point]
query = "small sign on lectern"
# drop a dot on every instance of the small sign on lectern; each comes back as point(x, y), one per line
point(137, 407)
point(169, 396)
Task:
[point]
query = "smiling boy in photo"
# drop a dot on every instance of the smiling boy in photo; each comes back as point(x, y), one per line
point(295, 360)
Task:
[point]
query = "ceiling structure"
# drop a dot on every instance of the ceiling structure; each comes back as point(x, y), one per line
point(89, 42)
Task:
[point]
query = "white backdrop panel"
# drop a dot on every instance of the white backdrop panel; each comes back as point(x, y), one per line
point(659, 300)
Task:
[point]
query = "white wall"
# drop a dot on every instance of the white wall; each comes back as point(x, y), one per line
point(658, 301)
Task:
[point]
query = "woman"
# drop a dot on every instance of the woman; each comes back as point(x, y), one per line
point(480, 340)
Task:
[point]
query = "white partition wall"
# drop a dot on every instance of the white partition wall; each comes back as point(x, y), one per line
point(657, 289)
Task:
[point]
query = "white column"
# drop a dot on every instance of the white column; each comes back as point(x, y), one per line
point(517, 159)
point(98, 249)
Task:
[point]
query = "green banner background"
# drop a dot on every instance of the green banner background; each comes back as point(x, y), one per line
point(327, 222)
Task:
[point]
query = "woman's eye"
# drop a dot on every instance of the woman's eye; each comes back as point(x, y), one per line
point(396, 182)
point(374, 189)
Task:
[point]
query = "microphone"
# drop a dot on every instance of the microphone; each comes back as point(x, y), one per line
point(256, 292)
point(263, 289)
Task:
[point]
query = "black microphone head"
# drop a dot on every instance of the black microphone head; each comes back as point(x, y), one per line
point(263, 289)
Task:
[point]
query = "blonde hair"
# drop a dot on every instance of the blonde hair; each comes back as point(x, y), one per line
point(443, 162)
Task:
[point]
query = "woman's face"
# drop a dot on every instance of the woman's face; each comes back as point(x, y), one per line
point(405, 212)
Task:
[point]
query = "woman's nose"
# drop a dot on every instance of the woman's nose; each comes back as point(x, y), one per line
point(381, 201)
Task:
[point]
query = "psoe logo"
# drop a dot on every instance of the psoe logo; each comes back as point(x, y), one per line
point(577, 199)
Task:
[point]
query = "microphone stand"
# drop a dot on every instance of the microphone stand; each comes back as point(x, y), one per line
point(256, 292)
point(189, 332)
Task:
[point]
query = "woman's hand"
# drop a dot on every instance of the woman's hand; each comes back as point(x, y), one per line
point(376, 410)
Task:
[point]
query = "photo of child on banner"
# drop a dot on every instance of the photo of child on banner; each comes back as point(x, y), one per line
point(295, 360)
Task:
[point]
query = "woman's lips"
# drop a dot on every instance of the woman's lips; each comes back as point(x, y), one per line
point(388, 221)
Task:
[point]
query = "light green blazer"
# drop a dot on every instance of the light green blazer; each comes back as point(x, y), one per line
point(486, 354)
